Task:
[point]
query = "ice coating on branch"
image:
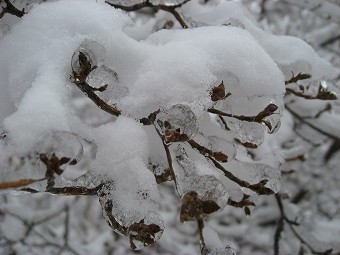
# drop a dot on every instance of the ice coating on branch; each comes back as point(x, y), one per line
point(168, 68)
point(130, 200)
point(178, 123)
point(88, 51)
point(249, 134)
point(257, 172)
point(155, 2)
point(102, 76)
point(62, 145)
point(36, 69)
point(213, 244)
point(201, 191)
point(106, 81)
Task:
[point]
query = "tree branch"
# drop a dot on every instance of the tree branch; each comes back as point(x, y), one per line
point(11, 9)
point(297, 116)
point(164, 7)
point(88, 91)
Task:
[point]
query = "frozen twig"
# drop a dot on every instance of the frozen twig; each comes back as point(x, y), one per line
point(200, 226)
point(88, 91)
point(169, 158)
point(300, 118)
point(322, 8)
point(292, 224)
point(164, 7)
point(11, 9)
point(298, 77)
point(259, 118)
point(18, 183)
point(219, 156)
point(259, 188)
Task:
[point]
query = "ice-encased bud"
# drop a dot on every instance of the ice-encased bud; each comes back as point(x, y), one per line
point(105, 80)
point(256, 173)
point(88, 55)
point(274, 122)
point(249, 134)
point(231, 82)
point(222, 149)
point(234, 22)
point(178, 123)
point(131, 210)
point(101, 76)
point(201, 191)
point(61, 144)
point(214, 146)
point(146, 232)
point(299, 66)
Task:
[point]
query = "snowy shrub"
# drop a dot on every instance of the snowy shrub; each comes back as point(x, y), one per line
point(116, 100)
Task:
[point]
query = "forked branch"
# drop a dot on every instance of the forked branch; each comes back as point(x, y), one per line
point(171, 8)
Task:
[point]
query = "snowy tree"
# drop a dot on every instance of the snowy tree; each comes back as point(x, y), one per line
point(180, 117)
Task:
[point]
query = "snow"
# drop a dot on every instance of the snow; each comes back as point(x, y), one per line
point(44, 85)
point(273, 44)
point(174, 71)
point(120, 142)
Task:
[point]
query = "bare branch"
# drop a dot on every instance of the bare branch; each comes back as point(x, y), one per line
point(259, 118)
point(11, 9)
point(323, 94)
point(298, 77)
point(164, 7)
point(219, 156)
point(18, 183)
point(297, 116)
point(88, 91)
point(259, 188)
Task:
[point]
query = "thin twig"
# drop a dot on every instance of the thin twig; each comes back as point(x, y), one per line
point(280, 225)
point(168, 157)
point(298, 77)
point(283, 218)
point(200, 226)
point(11, 9)
point(259, 188)
point(88, 91)
point(259, 118)
point(323, 96)
point(297, 116)
point(164, 7)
